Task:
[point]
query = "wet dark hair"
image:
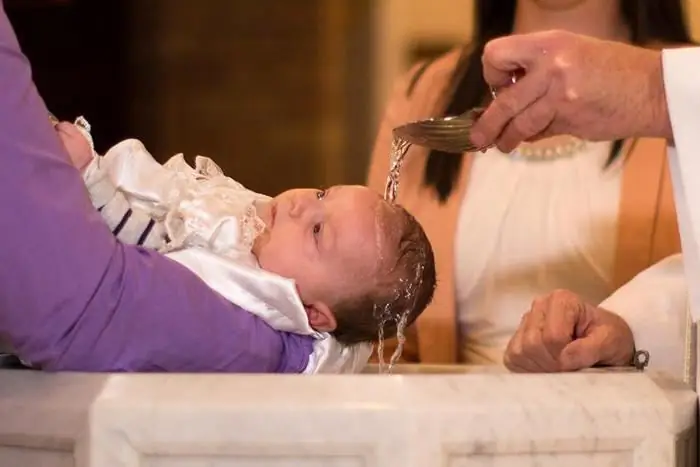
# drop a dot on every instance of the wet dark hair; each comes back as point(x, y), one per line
point(407, 285)
point(649, 21)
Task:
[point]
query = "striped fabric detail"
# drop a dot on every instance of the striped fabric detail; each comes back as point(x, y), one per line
point(132, 227)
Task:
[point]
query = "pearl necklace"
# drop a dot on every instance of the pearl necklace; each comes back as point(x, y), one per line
point(541, 154)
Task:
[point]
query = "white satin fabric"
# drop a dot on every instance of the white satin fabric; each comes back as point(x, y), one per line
point(211, 222)
point(199, 206)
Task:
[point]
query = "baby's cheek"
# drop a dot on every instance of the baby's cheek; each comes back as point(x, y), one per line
point(284, 261)
point(274, 257)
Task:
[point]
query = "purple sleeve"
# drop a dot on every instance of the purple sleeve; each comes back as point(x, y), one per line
point(72, 297)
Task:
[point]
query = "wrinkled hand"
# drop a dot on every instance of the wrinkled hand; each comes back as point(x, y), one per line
point(571, 84)
point(562, 333)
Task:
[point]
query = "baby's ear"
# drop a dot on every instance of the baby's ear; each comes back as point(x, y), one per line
point(321, 318)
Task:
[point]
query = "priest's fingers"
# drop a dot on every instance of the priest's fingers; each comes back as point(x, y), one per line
point(604, 338)
point(508, 105)
point(535, 344)
point(530, 124)
point(514, 359)
point(564, 308)
point(582, 353)
point(526, 351)
point(504, 56)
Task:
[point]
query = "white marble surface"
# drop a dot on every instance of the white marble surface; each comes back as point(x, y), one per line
point(409, 420)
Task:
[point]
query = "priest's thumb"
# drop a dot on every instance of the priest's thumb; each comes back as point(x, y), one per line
point(581, 353)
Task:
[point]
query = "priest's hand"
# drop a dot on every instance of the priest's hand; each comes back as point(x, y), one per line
point(563, 333)
point(570, 84)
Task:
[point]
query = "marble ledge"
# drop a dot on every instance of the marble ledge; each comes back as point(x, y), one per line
point(446, 416)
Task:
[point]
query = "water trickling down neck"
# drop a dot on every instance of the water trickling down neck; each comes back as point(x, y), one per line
point(406, 294)
point(387, 313)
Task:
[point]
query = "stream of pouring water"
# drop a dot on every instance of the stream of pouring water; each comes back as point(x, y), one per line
point(399, 148)
point(385, 314)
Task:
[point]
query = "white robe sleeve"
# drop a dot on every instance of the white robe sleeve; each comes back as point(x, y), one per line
point(682, 84)
point(654, 305)
point(656, 302)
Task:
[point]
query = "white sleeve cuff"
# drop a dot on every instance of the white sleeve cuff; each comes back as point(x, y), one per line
point(655, 306)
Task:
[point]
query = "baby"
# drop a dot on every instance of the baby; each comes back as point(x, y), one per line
point(339, 262)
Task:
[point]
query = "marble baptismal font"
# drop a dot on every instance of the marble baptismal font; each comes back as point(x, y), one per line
point(417, 417)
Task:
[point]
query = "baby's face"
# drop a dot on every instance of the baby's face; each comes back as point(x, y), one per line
point(328, 241)
point(76, 144)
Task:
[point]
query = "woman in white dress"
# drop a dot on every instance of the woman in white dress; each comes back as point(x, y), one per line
point(561, 213)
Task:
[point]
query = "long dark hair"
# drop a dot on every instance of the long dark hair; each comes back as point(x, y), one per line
point(649, 21)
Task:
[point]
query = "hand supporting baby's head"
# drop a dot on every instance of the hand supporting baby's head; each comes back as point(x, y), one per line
point(354, 258)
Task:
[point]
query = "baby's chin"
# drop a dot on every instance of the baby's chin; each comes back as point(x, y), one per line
point(258, 244)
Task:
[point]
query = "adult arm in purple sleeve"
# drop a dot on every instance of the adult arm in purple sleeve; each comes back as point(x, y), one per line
point(72, 297)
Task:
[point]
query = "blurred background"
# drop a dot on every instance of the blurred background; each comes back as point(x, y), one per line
point(281, 94)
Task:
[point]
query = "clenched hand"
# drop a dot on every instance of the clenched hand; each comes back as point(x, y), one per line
point(563, 333)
